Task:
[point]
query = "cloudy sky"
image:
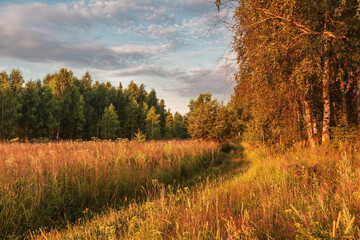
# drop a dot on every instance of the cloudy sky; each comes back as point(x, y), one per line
point(172, 46)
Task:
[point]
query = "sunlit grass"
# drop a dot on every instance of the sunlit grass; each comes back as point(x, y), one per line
point(47, 185)
point(300, 193)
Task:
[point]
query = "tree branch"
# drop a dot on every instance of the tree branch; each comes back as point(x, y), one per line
point(301, 27)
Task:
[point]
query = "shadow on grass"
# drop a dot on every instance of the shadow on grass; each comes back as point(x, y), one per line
point(233, 163)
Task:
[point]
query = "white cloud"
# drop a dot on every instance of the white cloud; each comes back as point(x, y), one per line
point(66, 32)
point(203, 80)
point(119, 39)
point(154, 70)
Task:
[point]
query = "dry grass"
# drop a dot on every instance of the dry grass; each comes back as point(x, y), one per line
point(45, 185)
point(298, 194)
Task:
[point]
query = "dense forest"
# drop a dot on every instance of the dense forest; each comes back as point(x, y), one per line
point(62, 106)
point(298, 72)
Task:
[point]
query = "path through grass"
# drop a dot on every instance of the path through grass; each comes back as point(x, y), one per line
point(299, 193)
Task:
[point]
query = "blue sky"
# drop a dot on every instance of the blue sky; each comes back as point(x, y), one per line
point(172, 46)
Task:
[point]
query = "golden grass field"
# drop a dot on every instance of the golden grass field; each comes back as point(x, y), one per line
point(254, 192)
point(48, 185)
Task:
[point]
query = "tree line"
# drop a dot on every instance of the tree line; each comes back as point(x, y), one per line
point(62, 106)
point(298, 67)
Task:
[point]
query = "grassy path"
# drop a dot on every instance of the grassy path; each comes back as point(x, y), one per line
point(256, 193)
point(124, 223)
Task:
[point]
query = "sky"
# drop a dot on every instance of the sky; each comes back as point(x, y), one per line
point(172, 46)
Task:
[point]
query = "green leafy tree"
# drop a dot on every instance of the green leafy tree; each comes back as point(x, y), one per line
point(179, 126)
point(153, 124)
point(63, 106)
point(46, 111)
point(16, 80)
point(30, 104)
point(151, 99)
point(169, 130)
point(132, 114)
point(208, 119)
point(289, 54)
point(202, 116)
point(60, 81)
point(109, 123)
point(88, 93)
point(100, 100)
point(76, 108)
point(227, 123)
point(120, 109)
point(9, 108)
point(162, 111)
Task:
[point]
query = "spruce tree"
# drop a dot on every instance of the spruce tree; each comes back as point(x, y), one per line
point(109, 123)
point(153, 124)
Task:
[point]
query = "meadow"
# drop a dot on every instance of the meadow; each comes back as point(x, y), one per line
point(50, 185)
point(270, 193)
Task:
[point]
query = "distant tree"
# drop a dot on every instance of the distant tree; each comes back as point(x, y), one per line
point(63, 106)
point(87, 91)
point(16, 80)
point(227, 123)
point(169, 126)
point(29, 111)
point(209, 119)
point(100, 100)
point(132, 112)
point(137, 92)
point(153, 124)
point(120, 109)
point(109, 123)
point(76, 109)
point(179, 126)
point(46, 111)
point(9, 108)
point(86, 81)
point(202, 116)
point(162, 111)
point(151, 99)
point(60, 81)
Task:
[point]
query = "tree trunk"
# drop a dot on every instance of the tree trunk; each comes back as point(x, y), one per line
point(358, 97)
point(326, 99)
point(132, 131)
point(309, 123)
point(315, 129)
point(344, 108)
point(326, 89)
point(27, 122)
point(98, 128)
point(358, 105)
point(326, 86)
point(58, 131)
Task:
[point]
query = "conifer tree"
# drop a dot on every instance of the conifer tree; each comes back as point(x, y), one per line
point(169, 130)
point(179, 126)
point(9, 108)
point(153, 124)
point(29, 119)
point(132, 112)
point(109, 123)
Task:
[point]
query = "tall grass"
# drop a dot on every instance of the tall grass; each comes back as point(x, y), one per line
point(300, 193)
point(44, 185)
